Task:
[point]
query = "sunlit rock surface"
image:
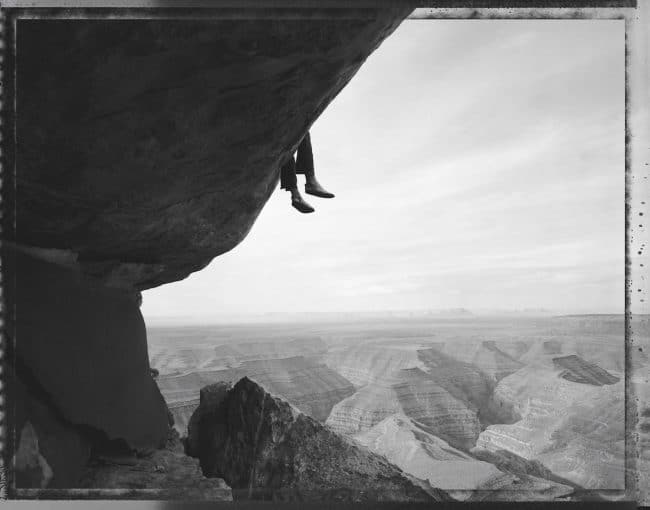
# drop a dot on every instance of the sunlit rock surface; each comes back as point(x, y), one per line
point(415, 396)
point(411, 447)
point(265, 448)
point(565, 426)
point(448, 395)
point(371, 362)
point(364, 409)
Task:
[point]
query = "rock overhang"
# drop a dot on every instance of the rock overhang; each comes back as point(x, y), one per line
point(146, 148)
point(149, 147)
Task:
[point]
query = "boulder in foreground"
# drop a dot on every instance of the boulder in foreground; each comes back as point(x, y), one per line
point(265, 449)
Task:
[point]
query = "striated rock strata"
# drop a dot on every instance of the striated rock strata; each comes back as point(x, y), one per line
point(310, 386)
point(411, 446)
point(202, 353)
point(564, 426)
point(450, 396)
point(264, 448)
point(576, 369)
point(487, 356)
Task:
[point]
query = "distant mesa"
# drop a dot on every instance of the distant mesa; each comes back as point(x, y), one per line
point(578, 370)
point(266, 449)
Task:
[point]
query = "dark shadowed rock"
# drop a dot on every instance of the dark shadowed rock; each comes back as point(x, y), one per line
point(49, 452)
point(165, 474)
point(576, 369)
point(85, 345)
point(264, 448)
point(148, 147)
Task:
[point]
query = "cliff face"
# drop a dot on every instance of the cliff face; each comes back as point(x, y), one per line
point(145, 149)
point(83, 346)
point(265, 448)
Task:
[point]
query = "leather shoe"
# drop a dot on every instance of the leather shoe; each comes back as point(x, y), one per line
point(301, 205)
point(318, 191)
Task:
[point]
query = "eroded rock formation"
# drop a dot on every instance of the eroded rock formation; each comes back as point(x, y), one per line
point(411, 446)
point(265, 448)
point(310, 386)
point(448, 395)
point(576, 369)
point(564, 425)
point(211, 354)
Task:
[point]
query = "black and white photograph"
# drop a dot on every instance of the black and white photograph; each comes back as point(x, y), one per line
point(286, 252)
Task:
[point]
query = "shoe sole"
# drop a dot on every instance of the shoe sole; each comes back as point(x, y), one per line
point(302, 210)
point(321, 195)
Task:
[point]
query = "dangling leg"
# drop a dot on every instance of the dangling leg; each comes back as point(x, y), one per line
point(305, 165)
point(289, 182)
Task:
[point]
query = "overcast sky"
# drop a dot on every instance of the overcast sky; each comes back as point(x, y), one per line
point(477, 164)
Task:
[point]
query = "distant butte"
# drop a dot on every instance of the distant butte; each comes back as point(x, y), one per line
point(576, 369)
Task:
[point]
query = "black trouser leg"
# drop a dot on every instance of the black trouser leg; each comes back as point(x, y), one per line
point(288, 178)
point(305, 157)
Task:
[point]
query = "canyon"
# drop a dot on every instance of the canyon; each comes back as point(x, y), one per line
point(149, 147)
point(266, 449)
point(489, 416)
